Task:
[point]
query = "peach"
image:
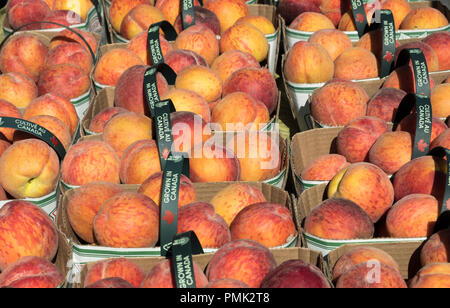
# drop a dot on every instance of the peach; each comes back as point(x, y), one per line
point(84, 204)
point(213, 163)
point(270, 224)
point(360, 255)
point(258, 82)
point(72, 53)
point(21, 236)
point(110, 283)
point(230, 200)
point(99, 120)
point(61, 17)
point(67, 36)
point(334, 41)
point(224, 113)
point(200, 79)
point(436, 248)
point(442, 140)
point(391, 151)
point(53, 105)
point(399, 8)
point(120, 8)
point(295, 274)
point(129, 91)
point(115, 267)
point(356, 63)
point(113, 64)
point(210, 228)
point(140, 160)
point(228, 11)
point(161, 276)
point(128, 220)
point(66, 80)
point(247, 38)
point(339, 219)
point(90, 161)
point(17, 89)
point(428, 52)
point(355, 140)
point(179, 59)
point(31, 272)
point(81, 7)
point(188, 129)
point(412, 216)
point(21, 13)
point(366, 185)
point(338, 102)
point(29, 169)
point(151, 187)
point(403, 78)
point(371, 275)
point(138, 45)
point(408, 124)
point(231, 61)
point(139, 19)
point(311, 22)
point(440, 42)
point(202, 16)
point(384, 103)
point(8, 110)
point(126, 128)
point(430, 281)
point(261, 22)
point(324, 167)
point(3, 146)
point(171, 9)
point(422, 175)
point(440, 100)
point(243, 260)
point(258, 153)
point(226, 283)
point(333, 9)
point(187, 100)
point(423, 18)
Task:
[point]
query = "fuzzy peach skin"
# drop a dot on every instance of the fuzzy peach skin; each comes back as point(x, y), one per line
point(231, 61)
point(359, 255)
point(113, 64)
point(430, 55)
point(17, 89)
point(3, 146)
point(81, 7)
point(440, 42)
point(210, 228)
point(202, 80)
point(356, 63)
point(270, 224)
point(384, 103)
point(29, 169)
point(391, 151)
point(333, 9)
point(8, 110)
point(440, 100)
point(226, 283)
point(89, 161)
point(324, 167)
point(202, 16)
point(98, 122)
point(403, 78)
point(31, 272)
point(442, 140)
point(408, 124)
point(429, 281)
point(308, 63)
point(188, 129)
point(23, 12)
point(110, 283)
point(356, 139)
point(56, 106)
point(311, 22)
point(85, 203)
point(413, 216)
point(366, 185)
point(67, 36)
point(138, 45)
point(127, 220)
point(66, 80)
point(263, 23)
point(228, 11)
point(26, 230)
point(115, 267)
point(199, 39)
point(151, 187)
point(362, 276)
point(73, 53)
point(229, 201)
point(178, 59)
point(243, 260)
point(187, 100)
point(295, 274)
point(24, 53)
point(339, 219)
point(247, 38)
point(424, 18)
point(120, 8)
point(139, 19)
point(126, 128)
point(436, 248)
point(171, 9)
point(161, 276)
point(338, 102)
point(399, 8)
point(334, 41)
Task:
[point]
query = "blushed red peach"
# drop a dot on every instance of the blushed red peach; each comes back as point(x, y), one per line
point(324, 167)
point(115, 267)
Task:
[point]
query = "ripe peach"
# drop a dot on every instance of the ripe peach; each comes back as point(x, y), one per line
point(442, 140)
point(324, 167)
point(440, 100)
point(128, 220)
point(339, 219)
point(80, 7)
point(403, 78)
point(334, 41)
point(384, 103)
point(23, 12)
point(440, 42)
point(371, 275)
point(72, 53)
point(408, 124)
point(110, 283)
point(138, 45)
point(188, 129)
point(171, 9)
point(139, 19)
point(98, 121)
point(179, 59)
point(423, 18)
point(436, 248)
point(67, 36)
point(261, 22)
point(226, 283)
point(202, 16)
point(231, 61)
point(187, 100)
point(120, 8)
point(21, 236)
point(243, 260)
point(427, 281)
point(89, 161)
point(228, 11)
point(8, 110)
point(62, 17)
point(311, 22)
point(333, 9)
point(200, 79)
point(3, 146)
point(17, 89)
point(356, 63)
point(115, 267)
point(428, 52)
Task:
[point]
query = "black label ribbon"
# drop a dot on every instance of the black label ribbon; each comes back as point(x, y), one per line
point(187, 13)
point(359, 15)
point(153, 42)
point(164, 137)
point(420, 69)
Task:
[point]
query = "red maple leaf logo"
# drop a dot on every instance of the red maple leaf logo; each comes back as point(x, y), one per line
point(54, 141)
point(422, 145)
point(188, 19)
point(168, 217)
point(388, 56)
point(359, 18)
